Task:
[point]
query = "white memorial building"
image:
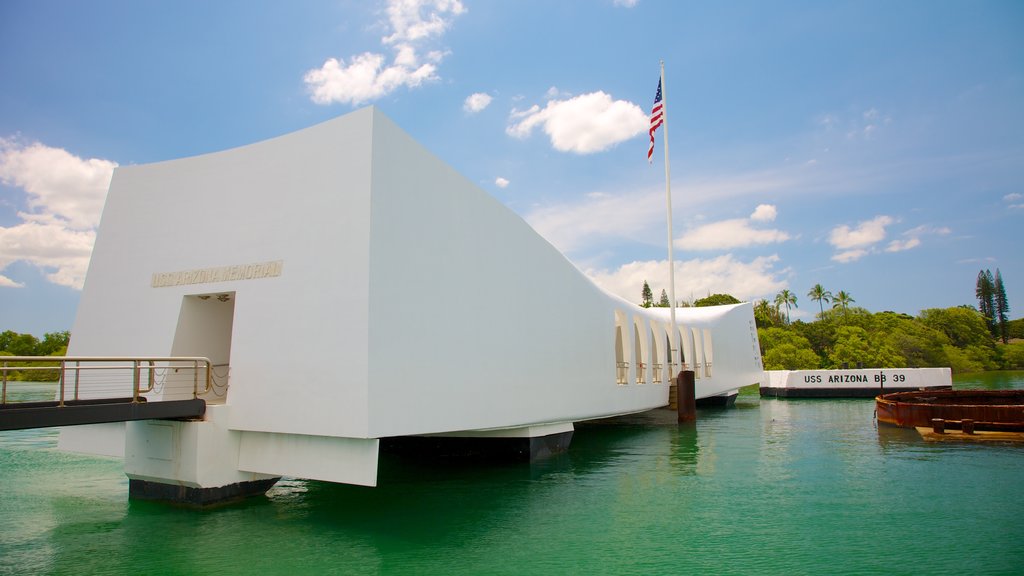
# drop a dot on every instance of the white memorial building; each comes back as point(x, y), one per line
point(351, 287)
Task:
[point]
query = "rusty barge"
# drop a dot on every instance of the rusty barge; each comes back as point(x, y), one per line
point(960, 413)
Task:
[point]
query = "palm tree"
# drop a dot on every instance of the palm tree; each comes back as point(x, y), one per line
point(785, 299)
point(819, 295)
point(765, 314)
point(842, 300)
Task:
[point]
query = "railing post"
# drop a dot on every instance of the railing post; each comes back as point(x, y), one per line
point(135, 380)
point(195, 379)
point(78, 371)
point(62, 367)
point(3, 395)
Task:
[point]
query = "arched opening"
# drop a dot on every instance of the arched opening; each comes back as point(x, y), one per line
point(697, 343)
point(640, 350)
point(679, 364)
point(621, 365)
point(685, 349)
point(657, 354)
point(709, 353)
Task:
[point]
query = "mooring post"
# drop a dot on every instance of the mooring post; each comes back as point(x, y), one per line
point(967, 426)
point(686, 400)
point(938, 425)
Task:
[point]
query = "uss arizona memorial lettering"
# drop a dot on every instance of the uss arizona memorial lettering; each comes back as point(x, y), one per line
point(218, 274)
point(839, 378)
point(853, 378)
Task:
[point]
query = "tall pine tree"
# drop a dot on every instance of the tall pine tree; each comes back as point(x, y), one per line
point(985, 291)
point(664, 302)
point(1002, 308)
point(647, 295)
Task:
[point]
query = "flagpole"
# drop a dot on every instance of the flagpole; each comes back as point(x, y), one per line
point(673, 335)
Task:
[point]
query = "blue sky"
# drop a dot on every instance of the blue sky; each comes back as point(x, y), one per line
point(872, 147)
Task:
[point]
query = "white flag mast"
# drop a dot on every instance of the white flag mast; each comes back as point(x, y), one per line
point(668, 205)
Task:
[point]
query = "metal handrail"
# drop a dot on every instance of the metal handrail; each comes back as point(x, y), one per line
point(622, 373)
point(138, 364)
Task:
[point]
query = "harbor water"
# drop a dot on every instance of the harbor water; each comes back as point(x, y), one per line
point(770, 486)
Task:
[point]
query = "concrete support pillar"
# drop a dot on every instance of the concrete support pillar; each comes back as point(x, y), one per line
point(686, 404)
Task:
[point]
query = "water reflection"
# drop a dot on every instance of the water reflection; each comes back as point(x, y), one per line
point(640, 495)
point(685, 450)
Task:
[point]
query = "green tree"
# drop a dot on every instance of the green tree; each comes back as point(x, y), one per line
point(787, 300)
point(716, 300)
point(961, 362)
point(842, 300)
point(1002, 308)
point(52, 342)
point(919, 345)
point(855, 345)
point(819, 294)
point(664, 301)
point(18, 344)
point(647, 296)
point(766, 315)
point(984, 291)
point(963, 325)
point(1016, 328)
point(1012, 356)
point(784, 350)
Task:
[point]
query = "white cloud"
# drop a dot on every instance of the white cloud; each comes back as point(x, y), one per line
point(640, 215)
point(571, 227)
point(66, 195)
point(764, 213)
point(1012, 200)
point(733, 233)
point(476, 102)
point(625, 3)
point(365, 78)
point(853, 244)
point(6, 282)
point(728, 234)
point(695, 278)
point(901, 245)
point(368, 76)
point(850, 255)
point(501, 182)
point(414, 20)
point(56, 182)
point(865, 234)
point(583, 124)
point(912, 238)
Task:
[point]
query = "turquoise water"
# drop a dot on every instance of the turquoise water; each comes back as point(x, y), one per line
point(768, 487)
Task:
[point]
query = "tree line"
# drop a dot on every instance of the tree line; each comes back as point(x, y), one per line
point(15, 344)
point(647, 300)
point(964, 338)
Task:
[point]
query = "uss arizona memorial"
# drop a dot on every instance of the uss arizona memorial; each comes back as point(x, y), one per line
point(350, 287)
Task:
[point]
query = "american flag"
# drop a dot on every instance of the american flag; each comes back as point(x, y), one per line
point(657, 119)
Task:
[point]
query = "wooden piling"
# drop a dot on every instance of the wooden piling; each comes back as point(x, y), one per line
point(686, 404)
point(967, 426)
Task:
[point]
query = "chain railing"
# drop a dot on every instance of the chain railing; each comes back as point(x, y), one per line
point(97, 377)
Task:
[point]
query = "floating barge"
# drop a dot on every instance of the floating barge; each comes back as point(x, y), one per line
point(972, 415)
point(855, 383)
